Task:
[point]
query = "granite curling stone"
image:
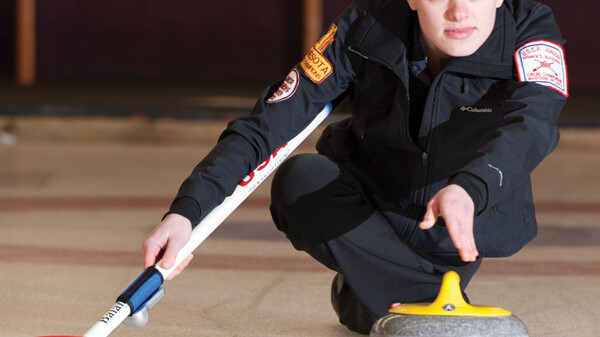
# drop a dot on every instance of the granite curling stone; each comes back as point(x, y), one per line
point(448, 316)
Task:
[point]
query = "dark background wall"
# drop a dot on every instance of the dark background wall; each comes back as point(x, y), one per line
point(185, 39)
point(200, 40)
point(7, 41)
point(578, 21)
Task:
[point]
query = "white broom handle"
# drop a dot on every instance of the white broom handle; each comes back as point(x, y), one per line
point(120, 311)
point(241, 192)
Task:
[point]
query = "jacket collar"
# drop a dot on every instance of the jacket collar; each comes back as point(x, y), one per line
point(380, 36)
point(495, 57)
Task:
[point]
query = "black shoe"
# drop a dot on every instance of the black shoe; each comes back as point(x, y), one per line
point(349, 310)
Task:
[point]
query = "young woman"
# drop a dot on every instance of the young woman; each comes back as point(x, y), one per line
point(454, 103)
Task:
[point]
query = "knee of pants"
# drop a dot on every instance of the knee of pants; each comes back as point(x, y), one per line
point(296, 178)
point(313, 200)
point(301, 175)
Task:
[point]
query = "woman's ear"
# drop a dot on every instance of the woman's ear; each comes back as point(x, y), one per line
point(412, 5)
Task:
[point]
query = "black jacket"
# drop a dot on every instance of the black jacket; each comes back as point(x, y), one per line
point(480, 125)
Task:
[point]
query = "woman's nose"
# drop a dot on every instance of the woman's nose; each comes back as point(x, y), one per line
point(458, 10)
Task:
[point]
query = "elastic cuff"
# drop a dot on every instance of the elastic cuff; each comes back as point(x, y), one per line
point(187, 207)
point(475, 187)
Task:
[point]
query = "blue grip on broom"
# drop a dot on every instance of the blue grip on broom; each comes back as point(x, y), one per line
point(142, 289)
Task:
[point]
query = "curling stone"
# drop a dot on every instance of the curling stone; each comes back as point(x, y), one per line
point(448, 316)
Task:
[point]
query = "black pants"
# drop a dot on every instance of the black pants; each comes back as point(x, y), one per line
point(323, 211)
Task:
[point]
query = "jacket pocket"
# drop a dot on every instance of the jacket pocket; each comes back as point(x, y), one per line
point(504, 228)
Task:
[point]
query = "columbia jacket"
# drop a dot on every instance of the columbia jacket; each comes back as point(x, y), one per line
point(490, 116)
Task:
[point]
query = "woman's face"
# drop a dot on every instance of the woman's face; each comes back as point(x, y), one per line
point(455, 27)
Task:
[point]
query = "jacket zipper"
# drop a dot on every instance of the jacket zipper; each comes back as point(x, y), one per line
point(424, 175)
point(425, 160)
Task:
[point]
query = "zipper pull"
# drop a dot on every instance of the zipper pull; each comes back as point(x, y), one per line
point(424, 158)
point(358, 53)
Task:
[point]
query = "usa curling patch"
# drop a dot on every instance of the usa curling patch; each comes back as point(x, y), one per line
point(287, 88)
point(543, 62)
point(314, 64)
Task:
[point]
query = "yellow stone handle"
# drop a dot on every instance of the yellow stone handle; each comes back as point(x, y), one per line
point(449, 302)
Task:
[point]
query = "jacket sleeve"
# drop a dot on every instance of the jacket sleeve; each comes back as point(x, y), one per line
point(283, 110)
point(528, 131)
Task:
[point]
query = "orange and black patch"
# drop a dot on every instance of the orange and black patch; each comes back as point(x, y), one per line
point(314, 64)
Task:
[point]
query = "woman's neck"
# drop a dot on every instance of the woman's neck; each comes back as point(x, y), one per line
point(436, 59)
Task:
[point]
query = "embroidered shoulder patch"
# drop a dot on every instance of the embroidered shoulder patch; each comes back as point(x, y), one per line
point(315, 65)
point(286, 89)
point(543, 62)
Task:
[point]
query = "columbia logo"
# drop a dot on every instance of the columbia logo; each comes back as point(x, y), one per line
point(474, 109)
